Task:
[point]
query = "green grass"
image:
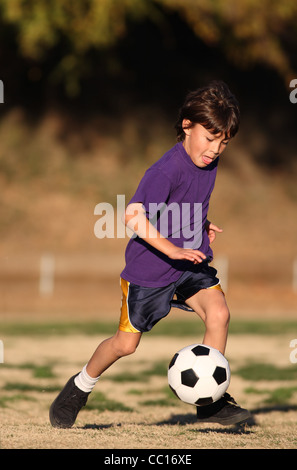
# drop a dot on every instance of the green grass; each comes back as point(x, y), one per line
point(160, 402)
point(6, 400)
point(158, 369)
point(252, 372)
point(259, 371)
point(277, 396)
point(166, 327)
point(25, 387)
point(38, 371)
point(32, 329)
point(99, 402)
point(167, 398)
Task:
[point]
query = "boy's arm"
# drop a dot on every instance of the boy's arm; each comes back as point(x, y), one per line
point(135, 219)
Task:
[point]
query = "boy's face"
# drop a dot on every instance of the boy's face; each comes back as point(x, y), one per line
point(203, 146)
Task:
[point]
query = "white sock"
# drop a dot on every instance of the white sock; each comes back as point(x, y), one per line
point(84, 382)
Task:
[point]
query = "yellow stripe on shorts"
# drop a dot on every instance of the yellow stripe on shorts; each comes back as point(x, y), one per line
point(125, 324)
point(218, 287)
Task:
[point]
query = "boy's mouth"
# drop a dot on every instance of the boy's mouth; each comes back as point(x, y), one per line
point(206, 159)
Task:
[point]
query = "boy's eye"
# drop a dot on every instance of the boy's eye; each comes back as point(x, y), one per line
point(224, 142)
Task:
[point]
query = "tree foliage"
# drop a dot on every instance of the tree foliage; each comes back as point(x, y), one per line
point(84, 23)
point(248, 32)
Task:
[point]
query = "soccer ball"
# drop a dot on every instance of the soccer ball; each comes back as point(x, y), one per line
point(198, 374)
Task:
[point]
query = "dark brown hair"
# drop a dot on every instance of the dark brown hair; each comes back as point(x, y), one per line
point(212, 106)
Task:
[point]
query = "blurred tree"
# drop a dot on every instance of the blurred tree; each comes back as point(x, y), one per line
point(77, 27)
point(248, 32)
point(85, 23)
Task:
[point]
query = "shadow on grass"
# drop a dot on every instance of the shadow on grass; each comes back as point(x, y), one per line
point(190, 418)
point(241, 428)
point(97, 426)
point(269, 409)
point(182, 420)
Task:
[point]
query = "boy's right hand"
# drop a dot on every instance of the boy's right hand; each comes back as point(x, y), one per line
point(135, 219)
point(195, 256)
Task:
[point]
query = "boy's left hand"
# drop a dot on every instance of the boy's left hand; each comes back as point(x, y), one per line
point(211, 230)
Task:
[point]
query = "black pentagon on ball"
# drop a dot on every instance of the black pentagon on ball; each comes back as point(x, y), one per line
point(220, 375)
point(200, 350)
point(172, 362)
point(189, 378)
point(204, 401)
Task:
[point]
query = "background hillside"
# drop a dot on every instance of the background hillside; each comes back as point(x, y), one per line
point(91, 94)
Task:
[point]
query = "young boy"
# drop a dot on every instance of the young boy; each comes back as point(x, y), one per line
point(167, 266)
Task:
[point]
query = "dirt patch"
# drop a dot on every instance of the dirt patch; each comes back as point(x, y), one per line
point(148, 423)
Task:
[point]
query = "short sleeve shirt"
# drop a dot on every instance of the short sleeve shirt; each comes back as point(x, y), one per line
point(175, 194)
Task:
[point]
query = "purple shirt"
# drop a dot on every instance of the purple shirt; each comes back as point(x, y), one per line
point(178, 190)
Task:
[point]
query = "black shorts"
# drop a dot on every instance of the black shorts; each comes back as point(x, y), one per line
point(142, 307)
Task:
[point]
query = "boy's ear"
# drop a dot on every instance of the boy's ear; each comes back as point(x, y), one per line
point(187, 125)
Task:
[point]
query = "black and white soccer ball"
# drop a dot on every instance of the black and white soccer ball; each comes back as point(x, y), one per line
point(199, 374)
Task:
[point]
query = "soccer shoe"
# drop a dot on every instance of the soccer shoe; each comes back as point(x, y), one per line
point(225, 411)
point(65, 407)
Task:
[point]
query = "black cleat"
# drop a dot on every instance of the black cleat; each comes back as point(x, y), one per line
point(225, 411)
point(65, 407)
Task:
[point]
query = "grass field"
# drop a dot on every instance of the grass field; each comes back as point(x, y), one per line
point(132, 406)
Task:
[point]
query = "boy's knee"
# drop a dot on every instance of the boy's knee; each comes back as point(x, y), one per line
point(127, 349)
point(225, 315)
point(220, 317)
point(124, 348)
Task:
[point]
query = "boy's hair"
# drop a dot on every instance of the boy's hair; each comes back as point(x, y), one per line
point(212, 106)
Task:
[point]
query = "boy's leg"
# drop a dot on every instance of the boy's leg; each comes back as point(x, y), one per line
point(110, 350)
point(73, 397)
point(211, 306)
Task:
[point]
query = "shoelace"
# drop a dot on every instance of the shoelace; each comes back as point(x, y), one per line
point(229, 399)
point(77, 401)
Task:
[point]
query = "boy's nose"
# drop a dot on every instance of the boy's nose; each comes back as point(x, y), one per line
point(215, 148)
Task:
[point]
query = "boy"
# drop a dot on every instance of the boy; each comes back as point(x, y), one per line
point(173, 194)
